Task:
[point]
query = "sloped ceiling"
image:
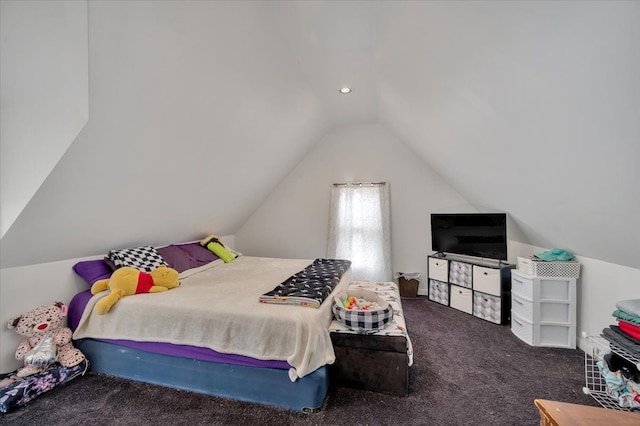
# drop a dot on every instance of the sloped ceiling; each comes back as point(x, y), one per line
point(199, 109)
point(44, 76)
point(532, 108)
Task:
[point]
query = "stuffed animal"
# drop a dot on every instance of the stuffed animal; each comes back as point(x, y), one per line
point(47, 339)
point(127, 281)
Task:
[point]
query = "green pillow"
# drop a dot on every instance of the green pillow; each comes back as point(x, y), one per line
point(213, 244)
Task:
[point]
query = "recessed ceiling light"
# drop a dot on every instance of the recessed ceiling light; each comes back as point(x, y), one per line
point(345, 90)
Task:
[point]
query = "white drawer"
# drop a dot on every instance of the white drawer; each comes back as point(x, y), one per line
point(523, 307)
point(439, 269)
point(555, 289)
point(555, 312)
point(461, 299)
point(557, 336)
point(486, 280)
point(521, 285)
point(460, 273)
point(521, 328)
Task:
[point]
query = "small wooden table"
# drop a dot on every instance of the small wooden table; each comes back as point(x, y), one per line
point(554, 413)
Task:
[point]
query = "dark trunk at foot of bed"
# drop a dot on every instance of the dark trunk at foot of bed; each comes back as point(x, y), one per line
point(371, 362)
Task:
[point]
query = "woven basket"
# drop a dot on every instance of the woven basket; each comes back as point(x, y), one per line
point(362, 321)
point(541, 268)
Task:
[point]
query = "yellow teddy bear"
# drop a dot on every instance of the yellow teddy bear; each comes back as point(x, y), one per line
point(127, 281)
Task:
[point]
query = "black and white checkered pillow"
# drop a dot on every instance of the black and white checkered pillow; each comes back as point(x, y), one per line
point(145, 258)
point(362, 321)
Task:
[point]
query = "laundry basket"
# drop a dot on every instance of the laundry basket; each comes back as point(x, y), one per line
point(408, 282)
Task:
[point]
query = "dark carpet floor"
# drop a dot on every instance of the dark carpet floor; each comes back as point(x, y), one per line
point(466, 372)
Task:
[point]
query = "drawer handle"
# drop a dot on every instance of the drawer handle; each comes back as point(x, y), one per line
point(486, 300)
point(486, 273)
point(516, 321)
point(517, 300)
point(517, 280)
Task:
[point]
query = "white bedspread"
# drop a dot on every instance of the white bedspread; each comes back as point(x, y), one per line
point(216, 306)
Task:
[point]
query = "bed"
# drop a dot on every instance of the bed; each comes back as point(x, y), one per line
point(212, 335)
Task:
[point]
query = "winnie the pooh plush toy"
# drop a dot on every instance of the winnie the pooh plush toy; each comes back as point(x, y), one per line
point(47, 339)
point(127, 281)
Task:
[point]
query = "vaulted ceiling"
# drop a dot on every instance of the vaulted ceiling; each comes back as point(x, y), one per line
point(199, 109)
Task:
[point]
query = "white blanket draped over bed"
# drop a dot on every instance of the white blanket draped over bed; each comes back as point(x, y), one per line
point(216, 306)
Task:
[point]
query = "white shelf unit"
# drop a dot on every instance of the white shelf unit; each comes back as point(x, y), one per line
point(543, 310)
point(595, 385)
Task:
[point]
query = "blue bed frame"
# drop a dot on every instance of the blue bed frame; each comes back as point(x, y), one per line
point(266, 386)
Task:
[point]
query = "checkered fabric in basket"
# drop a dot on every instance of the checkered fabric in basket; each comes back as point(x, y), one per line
point(362, 321)
point(145, 258)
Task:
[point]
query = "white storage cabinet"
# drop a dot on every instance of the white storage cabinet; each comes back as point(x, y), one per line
point(543, 310)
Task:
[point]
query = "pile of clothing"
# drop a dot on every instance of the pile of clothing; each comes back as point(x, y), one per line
point(626, 333)
point(621, 375)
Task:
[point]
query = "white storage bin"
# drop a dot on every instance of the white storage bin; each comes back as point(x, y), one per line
point(439, 269)
point(541, 268)
point(461, 299)
point(486, 280)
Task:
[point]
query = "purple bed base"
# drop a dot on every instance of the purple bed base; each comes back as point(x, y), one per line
point(80, 300)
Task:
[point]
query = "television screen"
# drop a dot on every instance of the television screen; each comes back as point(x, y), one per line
point(470, 234)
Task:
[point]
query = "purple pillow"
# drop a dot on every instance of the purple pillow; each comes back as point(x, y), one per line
point(199, 255)
point(186, 256)
point(92, 270)
point(175, 258)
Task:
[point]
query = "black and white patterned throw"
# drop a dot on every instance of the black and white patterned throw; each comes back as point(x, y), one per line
point(311, 286)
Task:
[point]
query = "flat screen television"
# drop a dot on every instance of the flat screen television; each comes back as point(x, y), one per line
point(470, 234)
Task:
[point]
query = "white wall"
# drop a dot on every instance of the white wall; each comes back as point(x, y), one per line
point(293, 221)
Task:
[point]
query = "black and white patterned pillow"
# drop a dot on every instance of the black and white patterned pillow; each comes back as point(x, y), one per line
point(145, 258)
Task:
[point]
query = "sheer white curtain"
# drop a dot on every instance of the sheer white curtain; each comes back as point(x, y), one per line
point(359, 229)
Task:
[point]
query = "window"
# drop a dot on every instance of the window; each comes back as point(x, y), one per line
point(359, 229)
